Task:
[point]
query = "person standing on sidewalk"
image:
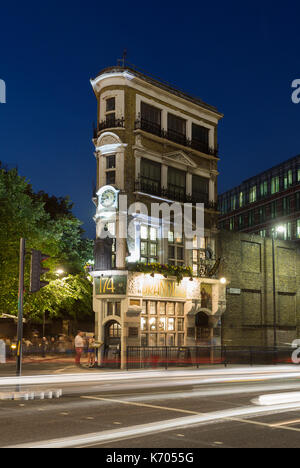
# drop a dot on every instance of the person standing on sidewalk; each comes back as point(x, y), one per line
point(79, 347)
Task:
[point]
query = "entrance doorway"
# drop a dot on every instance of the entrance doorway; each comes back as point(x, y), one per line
point(203, 330)
point(112, 345)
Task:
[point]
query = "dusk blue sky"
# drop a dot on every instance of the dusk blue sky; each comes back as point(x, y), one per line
point(239, 56)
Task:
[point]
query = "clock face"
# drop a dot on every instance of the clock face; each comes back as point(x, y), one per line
point(108, 198)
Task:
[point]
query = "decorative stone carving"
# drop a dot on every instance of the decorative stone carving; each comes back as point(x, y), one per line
point(181, 158)
point(139, 140)
point(107, 140)
point(134, 285)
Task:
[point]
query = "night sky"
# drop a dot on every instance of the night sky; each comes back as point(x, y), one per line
point(239, 56)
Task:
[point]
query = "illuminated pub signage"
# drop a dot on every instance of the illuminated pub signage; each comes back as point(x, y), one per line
point(111, 285)
point(163, 288)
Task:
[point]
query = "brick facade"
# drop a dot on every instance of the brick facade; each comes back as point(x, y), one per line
point(248, 266)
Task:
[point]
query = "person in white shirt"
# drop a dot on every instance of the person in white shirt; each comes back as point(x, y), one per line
point(79, 347)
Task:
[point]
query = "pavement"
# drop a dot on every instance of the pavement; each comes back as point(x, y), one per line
point(53, 364)
point(178, 408)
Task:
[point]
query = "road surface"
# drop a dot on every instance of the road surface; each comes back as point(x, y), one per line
point(217, 408)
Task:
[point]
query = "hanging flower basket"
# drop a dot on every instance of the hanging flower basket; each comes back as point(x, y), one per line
point(165, 270)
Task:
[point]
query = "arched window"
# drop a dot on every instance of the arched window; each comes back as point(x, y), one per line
point(114, 330)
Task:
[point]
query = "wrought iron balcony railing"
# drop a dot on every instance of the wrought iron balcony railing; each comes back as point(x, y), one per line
point(172, 135)
point(109, 123)
point(152, 187)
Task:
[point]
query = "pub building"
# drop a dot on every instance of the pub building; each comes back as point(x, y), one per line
point(154, 144)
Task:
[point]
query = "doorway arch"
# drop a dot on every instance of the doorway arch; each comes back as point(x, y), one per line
point(203, 329)
point(112, 344)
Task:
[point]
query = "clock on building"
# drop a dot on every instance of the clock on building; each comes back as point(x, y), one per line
point(108, 197)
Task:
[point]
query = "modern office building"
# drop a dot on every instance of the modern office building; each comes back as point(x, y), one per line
point(154, 144)
point(262, 203)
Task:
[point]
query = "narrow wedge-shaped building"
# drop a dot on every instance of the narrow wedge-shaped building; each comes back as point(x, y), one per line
point(155, 285)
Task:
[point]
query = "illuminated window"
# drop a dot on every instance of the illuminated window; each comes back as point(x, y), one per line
point(153, 323)
point(115, 330)
point(199, 246)
point(275, 185)
point(152, 339)
point(252, 195)
point(110, 115)
point(144, 324)
point(166, 329)
point(298, 228)
point(241, 199)
point(162, 324)
point(176, 249)
point(263, 233)
point(162, 339)
point(171, 308)
point(171, 324)
point(180, 324)
point(170, 339)
point(180, 339)
point(153, 308)
point(111, 227)
point(110, 171)
point(113, 308)
point(149, 244)
point(288, 179)
point(264, 189)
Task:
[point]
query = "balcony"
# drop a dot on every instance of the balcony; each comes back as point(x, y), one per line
point(176, 137)
point(108, 123)
point(152, 187)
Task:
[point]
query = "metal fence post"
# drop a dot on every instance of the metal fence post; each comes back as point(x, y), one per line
point(225, 356)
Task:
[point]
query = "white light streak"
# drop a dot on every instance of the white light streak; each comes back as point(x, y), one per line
point(146, 429)
point(278, 398)
point(203, 376)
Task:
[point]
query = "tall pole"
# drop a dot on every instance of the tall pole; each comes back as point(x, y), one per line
point(274, 293)
point(20, 307)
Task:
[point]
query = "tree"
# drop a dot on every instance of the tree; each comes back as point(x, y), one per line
point(47, 224)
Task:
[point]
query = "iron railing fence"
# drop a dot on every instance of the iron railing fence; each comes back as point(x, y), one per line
point(151, 187)
point(173, 135)
point(108, 123)
point(196, 356)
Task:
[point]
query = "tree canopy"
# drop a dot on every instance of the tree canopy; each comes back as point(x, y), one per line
point(48, 224)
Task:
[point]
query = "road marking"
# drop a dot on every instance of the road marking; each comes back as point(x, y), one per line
point(257, 423)
point(59, 371)
point(132, 403)
point(286, 423)
point(270, 426)
point(141, 430)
